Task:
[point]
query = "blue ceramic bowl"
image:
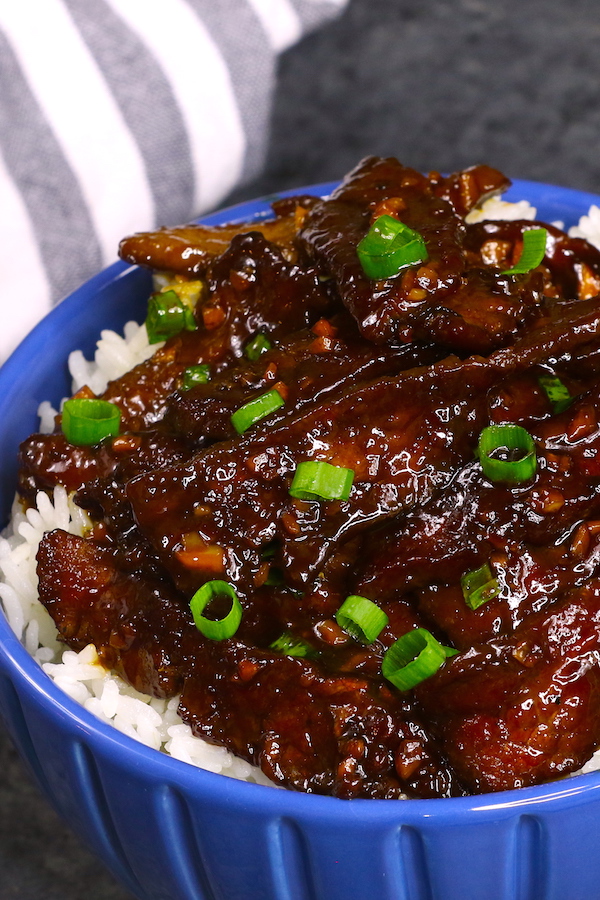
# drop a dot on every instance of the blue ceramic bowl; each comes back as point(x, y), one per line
point(169, 831)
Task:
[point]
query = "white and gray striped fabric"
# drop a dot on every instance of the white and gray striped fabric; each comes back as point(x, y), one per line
point(121, 115)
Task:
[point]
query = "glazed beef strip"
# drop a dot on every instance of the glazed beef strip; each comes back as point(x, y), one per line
point(250, 288)
point(309, 724)
point(404, 438)
point(314, 364)
point(572, 263)
point(539, 537)
point(468, 188)
point(469, 308)
point(307, 368)
point(311, 729)
point(47, 460)
point(139, 626)
point(189, 249)
point(520, 710)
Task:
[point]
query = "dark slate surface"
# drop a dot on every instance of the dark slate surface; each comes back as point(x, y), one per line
point(440, 84)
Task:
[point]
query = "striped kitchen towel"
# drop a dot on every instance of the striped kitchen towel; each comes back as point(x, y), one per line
point(121, 115)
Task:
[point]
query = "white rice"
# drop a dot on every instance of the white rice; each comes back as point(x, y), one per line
point(495, 208)
point(154, 722)
point(588, 226)
point(115, 355)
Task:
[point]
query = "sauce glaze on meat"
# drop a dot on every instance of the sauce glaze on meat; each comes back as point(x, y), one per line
point(394, 379)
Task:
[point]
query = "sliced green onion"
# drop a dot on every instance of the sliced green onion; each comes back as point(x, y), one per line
point(189, 322)
point(556, 392)
point(256, 346)
point(269, 550)
point(533, 252)
point(507, 453)
point(88, 421)
point(317, 480)
point(216, 629)
point(479, 586)
point(292, 646)
point(361, 618)
point(167, 315)
point(413, 658)
point(274, 578)
point(195, 375)
point(255, 410)
point(388, 247)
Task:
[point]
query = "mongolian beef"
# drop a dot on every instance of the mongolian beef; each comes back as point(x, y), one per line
point(352, 509)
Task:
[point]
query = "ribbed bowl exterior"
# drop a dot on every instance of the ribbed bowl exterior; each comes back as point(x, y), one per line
point(168, 831)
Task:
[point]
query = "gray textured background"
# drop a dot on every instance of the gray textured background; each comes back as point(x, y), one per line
point(441, 84)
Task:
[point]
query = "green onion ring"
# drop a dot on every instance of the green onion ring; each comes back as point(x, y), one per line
point(292, 646)
point(318, 480)
point(257, 409)
point(361, 618)
point(194, 375)
point(509, 438)
point(414, 657)
point(167, 315)
point(256, 346)
point(216, 629)
point(388, 247)
point(86, 422)
point(479, 586)
point(556, 392)
point(533, 252)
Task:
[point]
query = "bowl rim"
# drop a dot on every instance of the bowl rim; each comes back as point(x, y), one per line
point(21, 668)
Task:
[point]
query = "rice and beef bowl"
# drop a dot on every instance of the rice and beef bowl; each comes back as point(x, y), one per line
point(329, 518)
